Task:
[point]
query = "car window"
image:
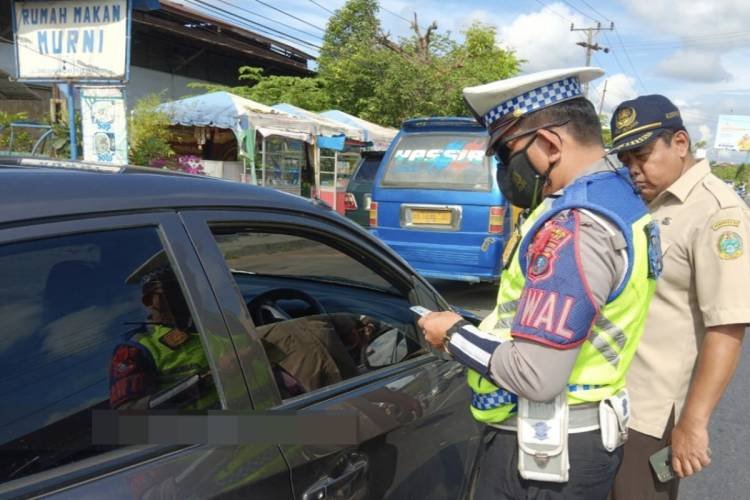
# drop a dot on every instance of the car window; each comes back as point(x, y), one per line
point(91, 321)
point(367, 169)
point(322, 316)
point(439, 161)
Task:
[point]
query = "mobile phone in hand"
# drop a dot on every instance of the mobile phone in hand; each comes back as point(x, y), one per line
point(420, 311)
point(661, 463)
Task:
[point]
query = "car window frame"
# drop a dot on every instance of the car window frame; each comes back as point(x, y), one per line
point(203, 306)
point(332, 232)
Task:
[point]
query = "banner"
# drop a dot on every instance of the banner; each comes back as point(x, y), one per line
point(72, 39)
point(104, 125)
point(733, 133)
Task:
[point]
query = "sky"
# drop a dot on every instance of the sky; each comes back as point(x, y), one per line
point(696, 52)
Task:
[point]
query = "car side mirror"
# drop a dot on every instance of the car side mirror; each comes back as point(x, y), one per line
point(386, 349)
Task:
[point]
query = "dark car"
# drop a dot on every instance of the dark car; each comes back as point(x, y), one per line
point(237, 326)
point(359, 190)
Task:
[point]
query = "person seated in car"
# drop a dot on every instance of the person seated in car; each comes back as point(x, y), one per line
point(162, 363)
point(317, 350)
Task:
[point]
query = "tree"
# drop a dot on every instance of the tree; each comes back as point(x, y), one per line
point(149, 131)
point(420, 83)
point(363, 72)
point(352, 59)
point(307, 93)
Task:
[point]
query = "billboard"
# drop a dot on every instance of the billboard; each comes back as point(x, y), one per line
point(73, 40)
point(733, 133)
point(104, 125)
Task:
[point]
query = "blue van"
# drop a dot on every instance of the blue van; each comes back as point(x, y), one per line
point(436, 202)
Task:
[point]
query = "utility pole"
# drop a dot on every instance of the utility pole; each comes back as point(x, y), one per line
point(590, 46)
point(601, 103)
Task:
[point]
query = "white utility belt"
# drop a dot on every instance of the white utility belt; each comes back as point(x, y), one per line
point(581, 418)
point(543, 430)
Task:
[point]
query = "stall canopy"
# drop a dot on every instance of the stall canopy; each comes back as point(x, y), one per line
point(331, 133)
point(380, 136)
point(226, 110)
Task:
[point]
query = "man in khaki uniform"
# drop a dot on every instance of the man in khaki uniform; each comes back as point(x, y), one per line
point(692, 341)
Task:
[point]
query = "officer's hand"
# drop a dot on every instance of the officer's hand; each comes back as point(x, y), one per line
point(436, 324)
point(690, 451)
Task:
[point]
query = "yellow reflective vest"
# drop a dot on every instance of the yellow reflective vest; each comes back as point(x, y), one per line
point(606, 354)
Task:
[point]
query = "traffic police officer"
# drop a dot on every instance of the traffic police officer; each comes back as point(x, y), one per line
point(692, 341)
point(547, 367)
point(164, 363)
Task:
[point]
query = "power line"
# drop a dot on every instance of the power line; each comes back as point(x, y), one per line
point(322, 7)
point(579, 11)
point(584, 2)
point(614, 53)
point(290, 15)
point(635, 71)
point(266, 29)
point(554, 11)
point(399, 16)
point(270, 19)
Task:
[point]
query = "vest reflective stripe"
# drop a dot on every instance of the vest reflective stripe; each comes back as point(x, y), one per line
point(501, 396)
point(175, 365)
point(604, 357)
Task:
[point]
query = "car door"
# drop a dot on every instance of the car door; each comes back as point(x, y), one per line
point(414, 435)
point(73, 294)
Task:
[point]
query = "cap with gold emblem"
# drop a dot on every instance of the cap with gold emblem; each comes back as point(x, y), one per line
point(499, 105)
point(639, 121)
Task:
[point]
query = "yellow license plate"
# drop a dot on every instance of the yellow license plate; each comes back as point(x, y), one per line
point(433, 217)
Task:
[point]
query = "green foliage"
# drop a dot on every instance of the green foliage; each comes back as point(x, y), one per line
point(606, 132)
point(61, 137)
point(307, 93)
point(362, 72)
point(22, 140)
point(149, 132)
point(737, 174)
point(415, 83)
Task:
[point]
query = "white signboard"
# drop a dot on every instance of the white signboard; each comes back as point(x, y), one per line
point(733, 133)
point(72, 39)
point(104, 125)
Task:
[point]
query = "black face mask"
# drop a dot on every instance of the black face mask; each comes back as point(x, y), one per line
point(520, 183)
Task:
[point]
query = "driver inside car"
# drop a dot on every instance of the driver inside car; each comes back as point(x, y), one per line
point(318, 350)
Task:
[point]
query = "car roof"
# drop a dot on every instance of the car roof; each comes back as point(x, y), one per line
point(33, 189)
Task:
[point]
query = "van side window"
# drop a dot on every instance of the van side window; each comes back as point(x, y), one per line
point(90, 321)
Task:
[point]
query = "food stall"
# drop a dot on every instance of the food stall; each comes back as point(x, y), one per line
point(336, 153)
point(244, 140)
point(380, 137)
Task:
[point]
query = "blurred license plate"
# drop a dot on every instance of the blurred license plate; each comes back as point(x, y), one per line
point(434, 217)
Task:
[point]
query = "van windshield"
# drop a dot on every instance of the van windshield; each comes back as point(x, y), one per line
point(439, 161)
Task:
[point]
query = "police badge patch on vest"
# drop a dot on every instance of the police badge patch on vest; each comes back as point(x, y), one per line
point(174, 338)
point(545, 249)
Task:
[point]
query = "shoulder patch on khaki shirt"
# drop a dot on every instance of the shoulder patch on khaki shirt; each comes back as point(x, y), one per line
point(730, 245)
point(725, 223)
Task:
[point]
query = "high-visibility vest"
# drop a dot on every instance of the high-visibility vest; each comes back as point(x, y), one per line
point(605, 355)
point(175, 365)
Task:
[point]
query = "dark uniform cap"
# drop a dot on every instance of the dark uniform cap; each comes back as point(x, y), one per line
point(639, 121)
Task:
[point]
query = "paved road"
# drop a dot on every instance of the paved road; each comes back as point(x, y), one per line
point(728, 477)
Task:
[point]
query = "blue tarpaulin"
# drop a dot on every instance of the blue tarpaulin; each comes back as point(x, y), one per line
point(332, 142)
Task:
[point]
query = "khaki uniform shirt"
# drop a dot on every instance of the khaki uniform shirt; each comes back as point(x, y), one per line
point(705, 233)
